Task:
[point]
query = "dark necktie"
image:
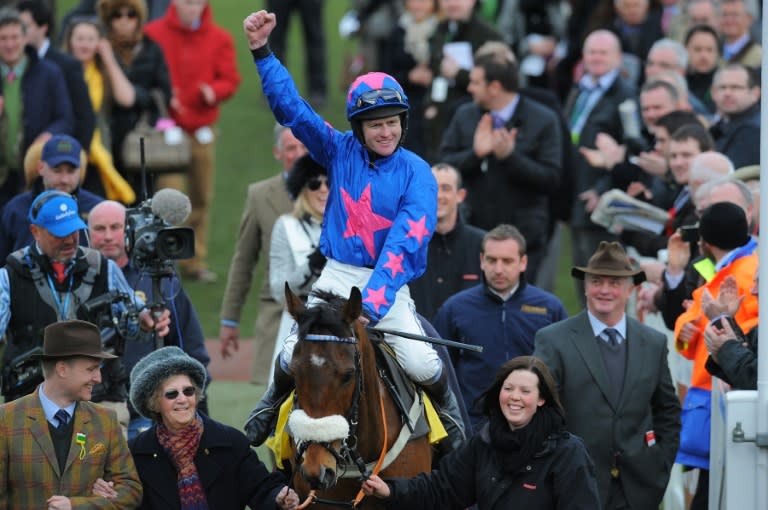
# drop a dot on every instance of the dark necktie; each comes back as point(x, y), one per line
point(613, 336)
point(63, 417)
point(60, 271)
point(498, 121)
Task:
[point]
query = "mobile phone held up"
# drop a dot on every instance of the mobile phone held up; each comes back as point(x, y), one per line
point(690, 233)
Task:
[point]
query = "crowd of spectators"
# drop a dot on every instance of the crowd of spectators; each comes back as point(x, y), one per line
point(528, 113)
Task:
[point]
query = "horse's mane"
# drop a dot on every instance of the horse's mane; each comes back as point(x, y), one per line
point(325, 315)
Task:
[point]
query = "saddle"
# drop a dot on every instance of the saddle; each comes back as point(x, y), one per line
point(402, 389)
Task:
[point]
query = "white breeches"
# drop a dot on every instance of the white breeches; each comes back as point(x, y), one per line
point(418, 359)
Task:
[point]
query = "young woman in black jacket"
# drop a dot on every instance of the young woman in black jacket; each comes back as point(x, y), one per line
point(522, 457)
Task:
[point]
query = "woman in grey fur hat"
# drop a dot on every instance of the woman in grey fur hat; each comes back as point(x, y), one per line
point(186, 459)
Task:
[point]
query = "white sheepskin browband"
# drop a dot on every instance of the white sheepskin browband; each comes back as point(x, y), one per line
point(322, 430)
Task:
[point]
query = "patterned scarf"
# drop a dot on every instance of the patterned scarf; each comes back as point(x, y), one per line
point(181, 448)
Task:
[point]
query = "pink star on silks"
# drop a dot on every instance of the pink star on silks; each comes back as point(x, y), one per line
point(418, 229)
point(361, 220)
point(395, 263)
point(376, 298)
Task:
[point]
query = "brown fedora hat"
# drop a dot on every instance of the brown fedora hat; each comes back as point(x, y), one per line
point(67, 339)
point(610, 259)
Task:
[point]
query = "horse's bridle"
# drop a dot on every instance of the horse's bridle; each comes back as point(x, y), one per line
point(347, 454)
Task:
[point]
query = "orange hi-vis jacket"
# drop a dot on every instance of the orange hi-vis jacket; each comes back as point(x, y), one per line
point(744, 270)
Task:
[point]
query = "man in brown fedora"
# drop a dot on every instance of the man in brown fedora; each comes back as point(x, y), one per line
point(54, 444)
point(615, 384)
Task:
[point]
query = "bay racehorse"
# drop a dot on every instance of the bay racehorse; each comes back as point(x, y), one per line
point(344, 421)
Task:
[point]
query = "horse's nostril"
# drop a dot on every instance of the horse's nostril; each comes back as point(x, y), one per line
point(327, 478)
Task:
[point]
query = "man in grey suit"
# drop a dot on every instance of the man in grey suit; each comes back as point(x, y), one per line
point(266, 200)
point(615, 385)
point(508, 149)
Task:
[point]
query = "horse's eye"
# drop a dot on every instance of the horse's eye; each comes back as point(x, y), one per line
point(347, 376)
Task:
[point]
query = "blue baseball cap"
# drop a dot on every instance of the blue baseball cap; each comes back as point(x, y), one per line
point(61, 149)
point(56, 212)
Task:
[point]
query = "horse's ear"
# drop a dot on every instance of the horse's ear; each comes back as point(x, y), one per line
point(354, 306)
point(294, 304)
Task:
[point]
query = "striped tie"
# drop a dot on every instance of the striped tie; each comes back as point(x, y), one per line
point(63, 417)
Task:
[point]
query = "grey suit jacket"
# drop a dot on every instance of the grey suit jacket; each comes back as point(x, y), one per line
point(266, 201)
point(615, 432)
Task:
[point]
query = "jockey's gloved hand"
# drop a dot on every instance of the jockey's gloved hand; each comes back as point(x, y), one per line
point(316, 262)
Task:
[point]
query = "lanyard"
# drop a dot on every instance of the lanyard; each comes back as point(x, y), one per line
point(61, 307)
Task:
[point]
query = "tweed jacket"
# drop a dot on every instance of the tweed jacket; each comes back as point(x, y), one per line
point(29, 470)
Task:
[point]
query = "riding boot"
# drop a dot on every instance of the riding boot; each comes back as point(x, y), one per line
point(448, 407)
point(262, 420)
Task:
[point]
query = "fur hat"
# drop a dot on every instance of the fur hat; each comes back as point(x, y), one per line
point(610, 259)
point(105, 9)
point(304, 170)
point(724, 225)
point(154, 368)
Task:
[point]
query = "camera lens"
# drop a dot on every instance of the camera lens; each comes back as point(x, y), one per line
point(175, 243)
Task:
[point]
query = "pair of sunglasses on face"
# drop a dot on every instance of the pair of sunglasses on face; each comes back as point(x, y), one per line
point(127, 13)
point(189, 391)
point(315, 182)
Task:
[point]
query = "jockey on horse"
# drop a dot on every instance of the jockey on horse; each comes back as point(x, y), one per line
point(380, 215)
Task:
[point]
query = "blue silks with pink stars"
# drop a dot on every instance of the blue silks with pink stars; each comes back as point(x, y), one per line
point(379, 214)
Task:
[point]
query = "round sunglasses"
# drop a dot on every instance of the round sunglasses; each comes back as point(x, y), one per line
point(189, 391)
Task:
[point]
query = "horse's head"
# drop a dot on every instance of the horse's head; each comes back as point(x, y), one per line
point(326, 367)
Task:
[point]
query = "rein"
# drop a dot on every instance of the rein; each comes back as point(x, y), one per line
point(349, 450)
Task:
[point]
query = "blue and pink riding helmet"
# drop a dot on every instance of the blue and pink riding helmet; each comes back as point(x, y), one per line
point(375, 96)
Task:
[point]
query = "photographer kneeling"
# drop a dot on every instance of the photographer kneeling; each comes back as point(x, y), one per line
point(106, 231)
point(50, 280)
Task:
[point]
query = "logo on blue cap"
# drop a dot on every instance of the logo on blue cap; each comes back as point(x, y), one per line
point(61, 149)
point(56, 212)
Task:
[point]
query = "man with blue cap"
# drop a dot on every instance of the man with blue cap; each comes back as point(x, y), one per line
point(48, 281)
point(59, 168)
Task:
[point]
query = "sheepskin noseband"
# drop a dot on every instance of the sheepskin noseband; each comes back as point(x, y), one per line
point(320, 430)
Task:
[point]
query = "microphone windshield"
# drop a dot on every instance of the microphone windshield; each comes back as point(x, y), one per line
point(171, 205)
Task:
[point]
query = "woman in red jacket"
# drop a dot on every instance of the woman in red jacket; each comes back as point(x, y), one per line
point(201, 59)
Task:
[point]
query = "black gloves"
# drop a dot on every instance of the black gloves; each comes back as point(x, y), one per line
point(316, 262)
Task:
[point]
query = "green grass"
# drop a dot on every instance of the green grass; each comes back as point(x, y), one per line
point(231, 402)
